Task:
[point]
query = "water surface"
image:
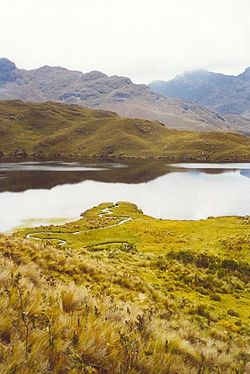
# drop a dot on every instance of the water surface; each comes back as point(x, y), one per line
point(43, 191)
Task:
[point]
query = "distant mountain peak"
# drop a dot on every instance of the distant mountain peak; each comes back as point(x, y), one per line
point(245, 74)
point(196, 72)
point(226, 94)
point(98, 90)
point(8, 71)
point(5, 63)
point(94, 74)
point(200, 74)
point(48, 67)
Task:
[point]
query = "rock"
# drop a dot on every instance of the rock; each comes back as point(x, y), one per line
point(144, 129)
point(20, 153)
point(107, 151)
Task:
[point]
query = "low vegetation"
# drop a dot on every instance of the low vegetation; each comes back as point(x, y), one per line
point(56, 131)
point(121, 292)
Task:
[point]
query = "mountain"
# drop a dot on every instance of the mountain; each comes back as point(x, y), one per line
point(97, 90)
point(226, 94)
point(53, 130)
point(8, 71)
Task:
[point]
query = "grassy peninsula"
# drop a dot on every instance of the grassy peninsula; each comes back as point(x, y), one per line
point(57, 131)
point(121, 292)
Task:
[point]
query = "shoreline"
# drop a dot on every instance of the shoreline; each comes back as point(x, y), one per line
point(60, 221)
point(124, 159)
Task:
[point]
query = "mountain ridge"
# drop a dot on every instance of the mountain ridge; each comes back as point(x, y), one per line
point(226, 94)
point(116, 93)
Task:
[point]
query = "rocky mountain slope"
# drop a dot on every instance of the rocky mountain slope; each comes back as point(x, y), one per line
point(226, 94)
point(53, 130)
point(97, 90)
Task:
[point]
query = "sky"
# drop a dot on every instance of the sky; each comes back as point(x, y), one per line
point(143, 39)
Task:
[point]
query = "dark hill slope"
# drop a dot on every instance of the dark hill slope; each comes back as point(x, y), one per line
point(53, 130)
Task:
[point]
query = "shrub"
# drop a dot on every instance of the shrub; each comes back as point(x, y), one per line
point(233, 313)
point(215, 297)
point(71, 299)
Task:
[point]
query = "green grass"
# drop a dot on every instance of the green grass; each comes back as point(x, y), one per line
point(145, 296)
point(52, 130)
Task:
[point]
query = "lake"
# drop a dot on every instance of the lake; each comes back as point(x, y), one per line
point(33, 193)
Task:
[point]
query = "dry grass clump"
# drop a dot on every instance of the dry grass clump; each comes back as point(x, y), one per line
point(173, 304)
point(49, 324)
point(71, 298)
point(61, 328)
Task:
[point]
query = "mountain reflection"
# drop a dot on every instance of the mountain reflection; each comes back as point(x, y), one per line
point(245, 173)
point(25, 176)
point(18, 177)
point(46, 191)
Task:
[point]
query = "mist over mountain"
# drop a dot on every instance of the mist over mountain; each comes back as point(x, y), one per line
point(226, 94)
point(97, 90)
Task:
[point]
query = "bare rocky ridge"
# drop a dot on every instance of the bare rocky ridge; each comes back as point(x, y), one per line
point(97, 90)
point(8, 71)
point(226, 94)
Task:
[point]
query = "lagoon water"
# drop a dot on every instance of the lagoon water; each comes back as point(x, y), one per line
point(43, 191)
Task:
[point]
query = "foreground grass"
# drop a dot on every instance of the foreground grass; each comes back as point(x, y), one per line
point(121, 292)
point(56, 131)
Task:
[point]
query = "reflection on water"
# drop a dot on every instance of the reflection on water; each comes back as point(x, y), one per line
point(245, 173)
point(228, 166)
point(161, 190)
point(24, 176)
point(50, 166)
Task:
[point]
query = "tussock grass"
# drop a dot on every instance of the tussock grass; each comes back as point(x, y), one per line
point(170, 305)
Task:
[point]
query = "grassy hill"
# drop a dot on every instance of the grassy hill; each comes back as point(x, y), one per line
point(52, 130)
point(121, 292)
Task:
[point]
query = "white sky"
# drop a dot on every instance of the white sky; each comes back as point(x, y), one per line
point(142, 39)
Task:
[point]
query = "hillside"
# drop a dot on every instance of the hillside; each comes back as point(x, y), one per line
point(119, 292)
point(96, 90)
point(52, 130)
point(226, 94)
point(57, 131)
